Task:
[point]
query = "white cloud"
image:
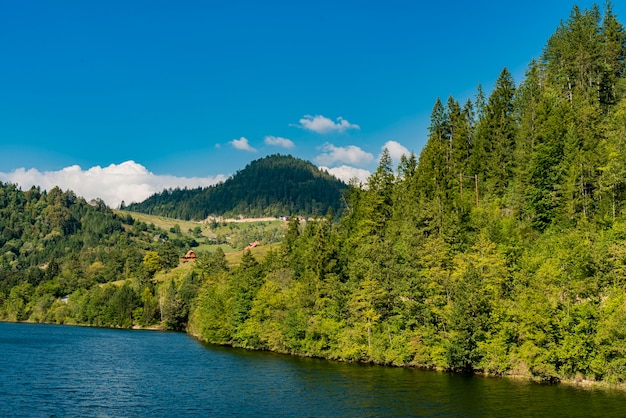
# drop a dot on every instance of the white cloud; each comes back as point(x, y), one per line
point(128, 181)
point(396, 151)
point(279, 142)
point(323, 125)
point(347, 173)
point(351, 155)
point(242, 144)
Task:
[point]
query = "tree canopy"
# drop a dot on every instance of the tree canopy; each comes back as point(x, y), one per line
point(275, 185)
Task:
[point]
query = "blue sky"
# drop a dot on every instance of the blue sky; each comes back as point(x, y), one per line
point(119, 99)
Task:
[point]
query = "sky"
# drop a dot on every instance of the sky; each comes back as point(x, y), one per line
point(120, 99)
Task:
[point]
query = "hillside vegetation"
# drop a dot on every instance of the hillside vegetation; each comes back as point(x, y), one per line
point(274, 186)
point(231, 235)
point(500, 250)
point(64, 260)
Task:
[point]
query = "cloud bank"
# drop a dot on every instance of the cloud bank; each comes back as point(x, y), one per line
point(346, 173)
point(354, 155)
point(351, 154)
point(242, 144)
point(279, 141)
point(323, 125)
point(128, 181)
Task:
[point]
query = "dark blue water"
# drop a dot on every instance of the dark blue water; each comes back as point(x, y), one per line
point(48, 370)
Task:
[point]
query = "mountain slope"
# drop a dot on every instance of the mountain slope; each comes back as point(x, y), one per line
point(54, 236)
point(272, 186)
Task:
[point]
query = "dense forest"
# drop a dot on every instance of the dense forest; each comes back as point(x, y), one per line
point(500, 249)
point(54, 244)
point(276, 185)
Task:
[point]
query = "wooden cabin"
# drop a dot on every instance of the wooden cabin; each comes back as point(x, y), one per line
point(189, 256)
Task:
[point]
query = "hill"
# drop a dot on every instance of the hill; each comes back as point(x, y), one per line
point(276, 185)
point(66, 260)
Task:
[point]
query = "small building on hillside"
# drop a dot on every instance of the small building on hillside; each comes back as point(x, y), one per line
point(252, 245)
point(189, 256)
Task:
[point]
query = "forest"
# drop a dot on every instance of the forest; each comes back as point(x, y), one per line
point(500, 249)
point(276, 185)
point(62, 260)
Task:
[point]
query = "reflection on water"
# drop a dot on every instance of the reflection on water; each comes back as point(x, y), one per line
point(50, 370)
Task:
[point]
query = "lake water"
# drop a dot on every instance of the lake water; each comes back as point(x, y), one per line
point(48, 370)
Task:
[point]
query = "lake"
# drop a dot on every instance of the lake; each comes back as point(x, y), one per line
point(51, 370)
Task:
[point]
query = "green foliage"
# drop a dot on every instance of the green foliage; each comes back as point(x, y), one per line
point(530, 280)
point(57, 251)
point(152, 263)
point(275, 186)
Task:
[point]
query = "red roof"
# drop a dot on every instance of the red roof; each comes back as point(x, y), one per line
point(252, 245)
point(190, 255)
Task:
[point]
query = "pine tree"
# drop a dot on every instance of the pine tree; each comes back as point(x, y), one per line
point(461, 135)
point(573, 55)
point(613, 56)
point(495, 137)
point(433, 171)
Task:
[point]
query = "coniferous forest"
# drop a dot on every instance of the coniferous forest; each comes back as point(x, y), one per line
point(500, 249)
point(277, 185)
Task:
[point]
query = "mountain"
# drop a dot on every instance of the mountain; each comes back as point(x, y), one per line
point(275, 185)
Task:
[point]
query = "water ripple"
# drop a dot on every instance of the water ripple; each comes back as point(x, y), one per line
point(71, 371)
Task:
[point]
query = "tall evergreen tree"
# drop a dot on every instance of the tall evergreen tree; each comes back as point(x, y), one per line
point(573, 55)
point(613, 57)
point(433, 171)
point(495, 137)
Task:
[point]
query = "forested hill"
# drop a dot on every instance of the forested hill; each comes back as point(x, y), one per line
point(54, 244)
point(524, 274)
point(272, 186)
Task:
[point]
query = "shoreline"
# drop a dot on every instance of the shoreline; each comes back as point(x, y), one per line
point(585, 384)
point(580, 383)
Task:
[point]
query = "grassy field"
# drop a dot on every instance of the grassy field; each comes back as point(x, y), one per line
point(233, 258)
point(163, 222)
point(232, 235)
point(259, 253)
